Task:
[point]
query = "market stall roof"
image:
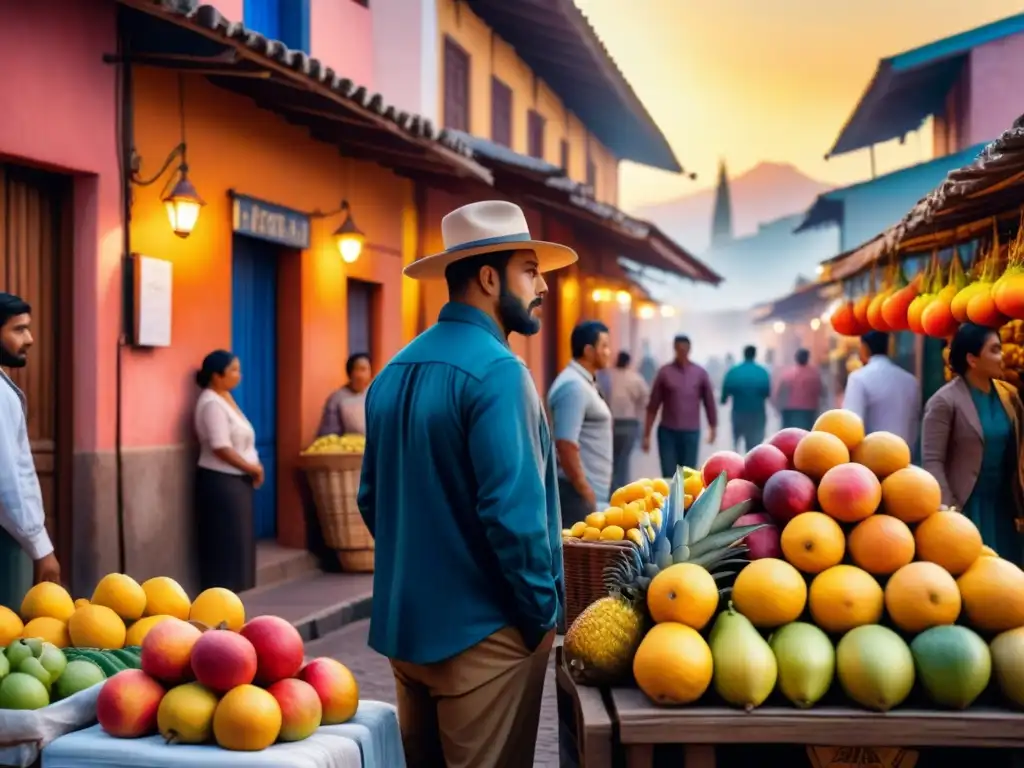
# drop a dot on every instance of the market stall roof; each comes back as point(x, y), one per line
point(808, 299)
point(548, 186)
point(290, 83)
point(909, 87)
point(557, 41)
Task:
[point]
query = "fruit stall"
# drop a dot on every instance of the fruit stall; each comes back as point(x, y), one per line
point(811, 595)
point(140, 674)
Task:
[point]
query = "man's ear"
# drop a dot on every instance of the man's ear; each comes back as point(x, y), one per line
point(490, 280)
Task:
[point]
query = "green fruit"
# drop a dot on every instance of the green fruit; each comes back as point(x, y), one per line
point(953, 664)
point(78, 676)
point(21, 691)
point(1008, 664)
point(875, 667)
point(745, 669)
point(807, 662)
point(18, 651)
point(5, 666)
point(53, 660)
point(32, 666)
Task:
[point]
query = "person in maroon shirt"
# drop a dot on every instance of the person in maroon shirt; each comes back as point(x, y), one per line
point(678, 390)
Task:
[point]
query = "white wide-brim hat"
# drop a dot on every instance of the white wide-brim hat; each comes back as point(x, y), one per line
point(486, 227)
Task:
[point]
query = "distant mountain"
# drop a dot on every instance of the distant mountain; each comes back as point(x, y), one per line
point(766, 192)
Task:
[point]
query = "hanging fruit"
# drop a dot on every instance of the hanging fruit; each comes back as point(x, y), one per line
point(1008, 290)
point(843, 321)
point(937, 318)
point(897, 305)
point(981, 307)
point(860, 314)
point(917, 307)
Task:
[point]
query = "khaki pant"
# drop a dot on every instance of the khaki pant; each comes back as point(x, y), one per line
point(479, 709)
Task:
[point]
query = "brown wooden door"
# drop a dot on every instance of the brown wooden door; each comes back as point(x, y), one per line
point(30, 247)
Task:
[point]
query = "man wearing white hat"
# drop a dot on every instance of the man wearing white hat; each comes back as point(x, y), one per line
point(459, 489)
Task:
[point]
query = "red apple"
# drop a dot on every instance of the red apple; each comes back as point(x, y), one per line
point(787, 494)
point(167, 651)
point(729, 462)
point(762, 543)
point(786, 440)
point(738, 491)
point(127, 704)
point(279, 649)
point(763, 461)
point(222, 660)
point(336, 687)
point(301, 710)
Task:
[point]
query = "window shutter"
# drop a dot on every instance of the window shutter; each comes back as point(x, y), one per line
point(501, 113)
point(456, 87)
point(535, 126)
point(565, 155)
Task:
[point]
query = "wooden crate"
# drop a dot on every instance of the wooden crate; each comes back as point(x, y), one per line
point(585, 725)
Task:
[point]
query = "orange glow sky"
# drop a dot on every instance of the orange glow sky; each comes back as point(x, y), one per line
point(751, 80)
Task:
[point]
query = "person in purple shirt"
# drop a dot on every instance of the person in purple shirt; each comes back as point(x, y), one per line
point(678, 390)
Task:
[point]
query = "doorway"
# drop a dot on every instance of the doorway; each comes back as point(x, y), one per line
point(362, 299)
point(254, 267)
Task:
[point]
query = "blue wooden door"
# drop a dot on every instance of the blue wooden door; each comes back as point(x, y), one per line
point(254, 342)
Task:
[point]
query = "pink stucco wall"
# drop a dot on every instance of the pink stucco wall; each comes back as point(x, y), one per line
point(232, 10)
point(59, 113)
point(341, 36)
point(996, 90)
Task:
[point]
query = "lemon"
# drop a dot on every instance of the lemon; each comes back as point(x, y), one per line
point(121, 594)
point(591, 534)
point(613, 516)
point(165, 597)
point(10, 626)
point(634, 535)
point(80, 602)
point(596, 520)
point(49, 630)
point(218, 606)
point(630, 516)
point(578, 529)
point(47, 599)
point(656, 518)
point(137, 632)
point(613, 533)
point(96, 626)
point(566, 533)
point(693, 484)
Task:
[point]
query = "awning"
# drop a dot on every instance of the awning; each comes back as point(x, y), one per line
point(908, 88)
point(808, 300)
point(289, 83)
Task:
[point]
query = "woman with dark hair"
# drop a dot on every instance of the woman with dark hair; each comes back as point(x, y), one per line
point(971, 441)
point(345, 410)
point(229, 470)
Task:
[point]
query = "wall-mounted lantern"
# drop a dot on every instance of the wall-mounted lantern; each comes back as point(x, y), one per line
point(779, 327)
point(601, 295)
point(181, 200)
point(624, 298)
point(645, 312)
point(348, 237)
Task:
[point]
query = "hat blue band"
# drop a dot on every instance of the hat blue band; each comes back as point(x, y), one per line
point(520, 237)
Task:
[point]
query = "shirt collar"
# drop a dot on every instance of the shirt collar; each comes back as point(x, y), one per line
point(877, 360)
point(457, 312)
point(581, 371)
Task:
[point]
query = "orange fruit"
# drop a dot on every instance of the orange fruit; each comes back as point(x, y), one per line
point(883, 453)
point(911, 494)
point(849, 493)
point(844, 597)
point(993, 594)
point(988, 552)
point(769, 592)
point(846, 425)
point(660, 485)
point(818, 452)
point(881, 544)
point(684, 593)
point(922, 595)
point(673, 664)
point(635, 491)
point(813, 541)
point(948, 539)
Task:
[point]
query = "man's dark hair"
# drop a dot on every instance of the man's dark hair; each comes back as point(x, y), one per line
point(876, 342)
point(680, 339)
point(353, 359)
point(622, 360)
point(749, 352)
point(12, 306)
point(459, 274)
point(802, 357)
point(585, 335)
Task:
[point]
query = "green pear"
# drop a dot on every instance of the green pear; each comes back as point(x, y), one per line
point(32, 666)
point(35, 645)
point(745, 667)
point(5, 665)
point(807, 662)
point(17, 652)
point(53, 660)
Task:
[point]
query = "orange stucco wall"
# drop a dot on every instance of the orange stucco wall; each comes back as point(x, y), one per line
point(234, 145)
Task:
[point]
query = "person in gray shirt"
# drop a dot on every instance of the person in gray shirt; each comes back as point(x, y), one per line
point(582, 425)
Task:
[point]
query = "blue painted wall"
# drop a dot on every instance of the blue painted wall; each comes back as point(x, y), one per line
point(284, 20)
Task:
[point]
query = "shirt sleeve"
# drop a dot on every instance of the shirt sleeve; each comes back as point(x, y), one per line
point(365, 498)
point(641, 393)
point(21, 500)
point(726, 387)
point(568, 409)
point(217, 426)
point(854, 398)
point(330, 420)
point(503, 418)
point(709, 401)
point(657, 395)
point(936, 427)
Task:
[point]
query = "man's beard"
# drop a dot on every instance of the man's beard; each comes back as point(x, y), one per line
point(10, 360)
point(515, 317)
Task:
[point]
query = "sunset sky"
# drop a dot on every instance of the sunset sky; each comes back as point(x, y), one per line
point(750, 80)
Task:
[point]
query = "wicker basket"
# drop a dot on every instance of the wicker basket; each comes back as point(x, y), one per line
point(334, 480)
point(583, 566)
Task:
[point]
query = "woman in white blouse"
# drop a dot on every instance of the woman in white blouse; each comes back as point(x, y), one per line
point(228, 473)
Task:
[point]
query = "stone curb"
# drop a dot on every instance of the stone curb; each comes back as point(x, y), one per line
point(316, 625)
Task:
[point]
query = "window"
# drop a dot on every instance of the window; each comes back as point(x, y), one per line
point(284, 20)
point(501, 113)
point(535, 134)
point(591, 172)
point(564, 155)
point(456, 86)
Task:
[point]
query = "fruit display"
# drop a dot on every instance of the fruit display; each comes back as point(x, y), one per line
point(241, 690)
point(336, 444)
point(35, 673)
point(829, 575)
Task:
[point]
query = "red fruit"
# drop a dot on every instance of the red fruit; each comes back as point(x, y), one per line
point(127, 704)
point(336, 687)
point(786, 441)
point(167, 651)
point(937, 319)
point(895, 308)
point(279, 649)
point(787, 494)
point(738, 491)
point(763, 461)
point(762, 543)
point(729, 462)
point(222, 660)
point(301, 710)
point(843, 321)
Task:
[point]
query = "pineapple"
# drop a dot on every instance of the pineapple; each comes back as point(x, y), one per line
point(600, 645)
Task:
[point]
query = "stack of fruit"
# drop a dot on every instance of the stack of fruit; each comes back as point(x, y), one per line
point(336, 444)
point(845, 543)
point(241, 690)
point(34, 673)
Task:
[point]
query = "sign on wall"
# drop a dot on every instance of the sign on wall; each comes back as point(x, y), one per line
point(266, 221)
point(152, 280)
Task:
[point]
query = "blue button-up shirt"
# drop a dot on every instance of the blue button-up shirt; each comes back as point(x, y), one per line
point(460, 493)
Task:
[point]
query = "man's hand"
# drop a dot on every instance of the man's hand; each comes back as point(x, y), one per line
point(46, 569)
point(588, 495)
point(711, 436)
point(645, 444)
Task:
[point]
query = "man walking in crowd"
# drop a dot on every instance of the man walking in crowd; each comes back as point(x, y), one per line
point(798, 393)
point(886, 397)
point(627, 399)
point(582, 425)
point(459, 491)
point(749, 385)
point(26, 553)
point(678, 391)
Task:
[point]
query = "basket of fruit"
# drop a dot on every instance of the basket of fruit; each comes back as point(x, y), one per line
point(332, 465)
